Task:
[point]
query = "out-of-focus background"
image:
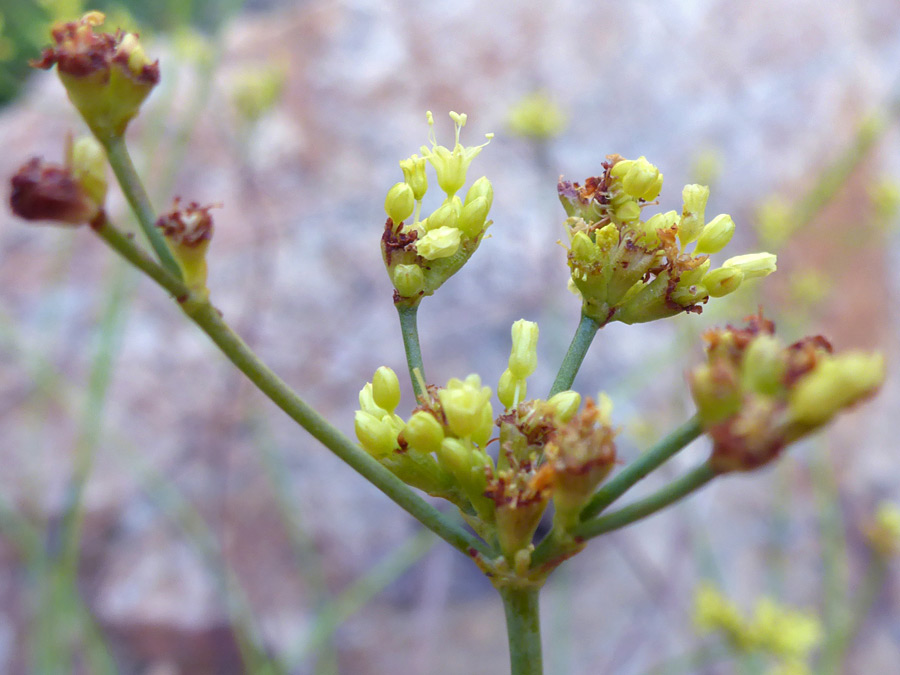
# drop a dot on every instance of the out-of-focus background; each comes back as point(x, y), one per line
point(214, 535)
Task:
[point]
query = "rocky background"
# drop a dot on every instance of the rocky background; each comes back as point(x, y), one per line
point(209, 515)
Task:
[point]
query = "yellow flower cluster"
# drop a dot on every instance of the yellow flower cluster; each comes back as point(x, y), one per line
point(633, 270)
point(786, 634)
point(754, 395)
point(422, 254)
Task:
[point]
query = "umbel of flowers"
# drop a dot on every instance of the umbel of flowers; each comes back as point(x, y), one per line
point(631, 269)
point(422, 253)
point(755, 395)
point(546, 449)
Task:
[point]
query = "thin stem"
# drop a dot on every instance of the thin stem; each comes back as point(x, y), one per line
point(523, 627)
point(555, 547)
point(671, 493)
point(133, 189)
point(581, 342)
point(210, 321)
point(410, 331)
point(643, 465)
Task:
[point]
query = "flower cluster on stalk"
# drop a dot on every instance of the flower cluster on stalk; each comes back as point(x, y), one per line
point(630, 269)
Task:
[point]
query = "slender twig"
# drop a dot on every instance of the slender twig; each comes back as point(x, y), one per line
point(671, 493)
point(133, 189)
point(581, 342)
point(410, 331)
point(556, 545)
point(523, 626)
point(210, 321)
point(643, 465)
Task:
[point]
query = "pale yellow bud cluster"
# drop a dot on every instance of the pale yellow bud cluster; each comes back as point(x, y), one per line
point(754, 395)
point(441, 243)
point(522, 362)
point(787, 635)
point(633, 270)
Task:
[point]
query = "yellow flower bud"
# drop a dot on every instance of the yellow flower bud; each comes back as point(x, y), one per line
point(584, 250)
point(763, 366)
point(523, 357)
point(439, 243)
point(414, 174)
point(375, 435)
point(753, 265)
point(386, 389)
point(399, 203)
point(446, 215)
point(565, 404)
point(482, 434)
point(463, 403)
point(510, 391)
point(474, 213)
point(367, 402)
point(409, 280)
point(88, 162)
point(660, 221)
point(723, 281)
point(641, 179)
point(835, 383)
point(628, 211)
point(693, 213)
point(423, 433)
point(715, 235)
point(481, 188)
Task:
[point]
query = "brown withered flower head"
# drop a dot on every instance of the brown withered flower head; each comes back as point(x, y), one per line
point(42, 191)
point(107, 75)
point(190, 226)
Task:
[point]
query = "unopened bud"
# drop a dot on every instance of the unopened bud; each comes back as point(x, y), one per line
point(693, 213)
point(423, 433)
point(723, 281)
point(481, 188)
point(409, 280)
point(414, 174)
point(463, 403)
point(473, 216)
point(88, 162)
point(375, 435)
point(630, 210)
point(441, 242)
point(510, 391)
point(763, 366)
point(715, 235)
point(399, 203)
point(523, 357)
point(753, 265)
point(446, 215)
point(386, 389)
point(565, 404)
point(835, 383)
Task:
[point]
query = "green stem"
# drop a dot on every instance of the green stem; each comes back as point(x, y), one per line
point(523, 627)
point(671, 493)
point(210, 321)
point(555, 546)
point(133, 189)
point(410, 331)
point(581, 342)
point(643, 465)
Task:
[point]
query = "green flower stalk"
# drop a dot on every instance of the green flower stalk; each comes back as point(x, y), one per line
point(107, 76)
point(633, 270)
point(754, 395)
point(421, 254)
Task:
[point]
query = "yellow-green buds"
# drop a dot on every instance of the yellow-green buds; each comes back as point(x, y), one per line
point(440, 244)
point(565, 404)
point(72, 194)
point(464, 403)
point(835, 383)
point(87, 160)
point(423, 433)
point(693, 213)
point(715, 234)
point(522, 363)
point(754, 396)
point(107, 77)
point(376, 435)
point(753, 265)
point(634, 271)
point(400, 202)
point(414, 174)
point(451, 165)
point(386, 389)
point(536, 116)
point(188, 232)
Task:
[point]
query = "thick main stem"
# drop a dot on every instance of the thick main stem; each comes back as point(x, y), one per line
point(210, 321)
point(581, 342)
point(133, 189)
point(643, 465)
point(410, 332)
point(523, 627)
